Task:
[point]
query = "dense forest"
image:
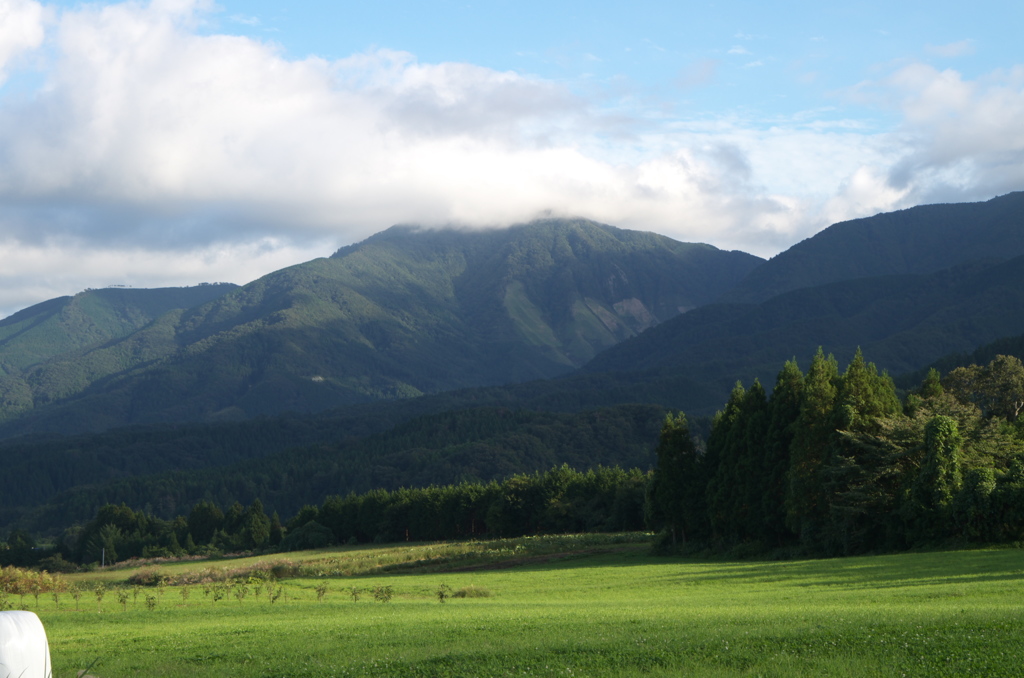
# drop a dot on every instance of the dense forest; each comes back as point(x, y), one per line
point(835, 464)
point(478, 444)
point(831, 463)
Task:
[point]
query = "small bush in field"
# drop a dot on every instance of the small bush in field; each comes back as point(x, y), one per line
point(147, 576)
point(122, 597)
point(150, 602)
point(321, 591)
point(354, 592)
point(444, 592)
point(472, 592)
point(99, 592)
point(382, 594)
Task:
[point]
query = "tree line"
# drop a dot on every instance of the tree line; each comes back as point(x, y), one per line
point(836, 463)
point(560, 500)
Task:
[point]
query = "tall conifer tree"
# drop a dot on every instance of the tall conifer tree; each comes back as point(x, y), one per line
point(676, 494)
point(783, 410)
point(857, 502)
point(805, 500)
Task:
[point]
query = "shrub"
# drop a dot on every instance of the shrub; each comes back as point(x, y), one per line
point(472, 592)
point(382, 594)
point(147, 576)
point(56, 563)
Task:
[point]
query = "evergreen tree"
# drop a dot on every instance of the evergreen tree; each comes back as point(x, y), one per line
point(857, 504)
point(255, 525)
point(723, 450)
point(736, 492)
point(204, 520)
point(783, 410)
point(806, 504)
point(276, 530)
point(675, 496)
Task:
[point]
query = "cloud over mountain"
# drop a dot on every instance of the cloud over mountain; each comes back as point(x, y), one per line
point(154, 138)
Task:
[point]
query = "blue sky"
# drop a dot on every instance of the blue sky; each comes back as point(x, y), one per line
point(179, 141)
point(769, 59)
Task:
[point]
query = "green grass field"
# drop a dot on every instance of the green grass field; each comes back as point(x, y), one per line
point(608, 611)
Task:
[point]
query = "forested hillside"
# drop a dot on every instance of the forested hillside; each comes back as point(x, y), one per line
point(905, 322)
point(481, 444)
point(42, 347)
point(404, 313)
point(918, 240)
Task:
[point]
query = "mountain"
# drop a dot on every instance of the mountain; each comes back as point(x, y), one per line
point(406, 312)
point(65, 328)
point(919, 240)
point(902, 323)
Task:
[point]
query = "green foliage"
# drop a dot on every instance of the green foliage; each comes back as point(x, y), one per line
point(997, 388)
point(675, 496)
point(806, 503)
point(736, 445)
point(383, 594)
point(482, 443)
point(938, 481)
point(864, 471)
point(783, 412)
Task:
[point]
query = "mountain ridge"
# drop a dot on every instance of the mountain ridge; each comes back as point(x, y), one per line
point(400, 314)
point(921, 239)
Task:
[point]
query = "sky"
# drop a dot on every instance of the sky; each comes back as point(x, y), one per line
point(175, 142)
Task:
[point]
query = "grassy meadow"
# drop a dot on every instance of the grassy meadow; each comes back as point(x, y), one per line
point(563, 606)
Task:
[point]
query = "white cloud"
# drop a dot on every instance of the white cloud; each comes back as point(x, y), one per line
point(34, 273)
point(22, 27)
point(963, 138)
point(738, 49)
point(155, 154)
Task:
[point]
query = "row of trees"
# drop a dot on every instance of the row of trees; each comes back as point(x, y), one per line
point(837, 464)
point(561, 500)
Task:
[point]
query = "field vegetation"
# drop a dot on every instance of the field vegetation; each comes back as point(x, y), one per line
point(586, 605)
